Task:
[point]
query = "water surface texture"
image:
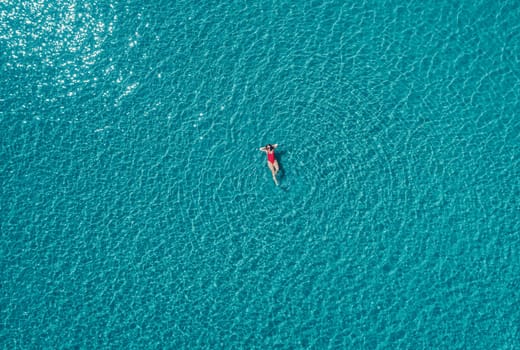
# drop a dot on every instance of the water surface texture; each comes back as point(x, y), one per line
point(137, 212)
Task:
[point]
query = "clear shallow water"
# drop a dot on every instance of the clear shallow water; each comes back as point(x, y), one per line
point(137, 211)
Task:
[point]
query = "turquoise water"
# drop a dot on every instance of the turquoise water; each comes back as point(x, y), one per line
point(137, 211)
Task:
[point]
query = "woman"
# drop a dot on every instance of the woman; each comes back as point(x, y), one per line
point(272, 163)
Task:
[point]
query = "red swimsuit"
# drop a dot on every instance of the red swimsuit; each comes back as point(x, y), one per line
point(270, 157)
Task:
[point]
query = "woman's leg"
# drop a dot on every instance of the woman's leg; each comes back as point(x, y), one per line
point(276, 166)
point(273, 171)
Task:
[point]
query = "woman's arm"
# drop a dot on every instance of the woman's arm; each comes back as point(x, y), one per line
point(264, 149)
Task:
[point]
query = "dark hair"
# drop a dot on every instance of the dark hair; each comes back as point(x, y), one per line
point(269, 147)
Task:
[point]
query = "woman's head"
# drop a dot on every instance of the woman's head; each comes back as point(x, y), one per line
point(269, 147)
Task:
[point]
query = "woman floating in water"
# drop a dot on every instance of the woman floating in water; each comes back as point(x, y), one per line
point(272, 163)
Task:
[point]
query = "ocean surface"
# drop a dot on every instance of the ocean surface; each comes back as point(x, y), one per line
point(136, 210)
